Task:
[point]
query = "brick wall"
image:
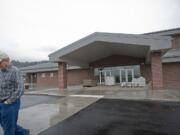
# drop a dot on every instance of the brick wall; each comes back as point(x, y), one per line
point(47, 81)
point(76, 76)
point(62, 75)
point(171, 75)
point(175, 42)
point(156, 70)
point(117, 60)
point(31, 78)
point(28, 78)
point(146, 72)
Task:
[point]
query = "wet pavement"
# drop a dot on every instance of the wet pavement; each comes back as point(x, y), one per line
point(122, 117)
point(42, 116)
point(32, 100)
point(47, 107)
point(41, 112)
point(114, 92)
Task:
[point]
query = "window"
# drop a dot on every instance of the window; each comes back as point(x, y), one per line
point(120, 73)
point(43, 75)
point(51, 74)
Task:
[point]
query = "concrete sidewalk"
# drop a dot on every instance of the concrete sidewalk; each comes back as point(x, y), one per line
point(39, 117)
point(167, 95)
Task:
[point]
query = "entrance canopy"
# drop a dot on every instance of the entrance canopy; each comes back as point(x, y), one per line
point(99, 45)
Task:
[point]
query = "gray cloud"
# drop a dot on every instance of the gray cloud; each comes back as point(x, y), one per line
point(47, 48)
point(30, 30)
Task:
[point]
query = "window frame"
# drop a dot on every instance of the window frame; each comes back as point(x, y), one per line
point(51, 75)
point(43, 75)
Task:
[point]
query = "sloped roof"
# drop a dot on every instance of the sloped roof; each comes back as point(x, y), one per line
point(40, 66)
point(168, 32)
point(172, 55)
point(44, 67)
point(154, 42)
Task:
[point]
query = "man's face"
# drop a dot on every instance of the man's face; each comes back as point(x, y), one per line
point(4, 63)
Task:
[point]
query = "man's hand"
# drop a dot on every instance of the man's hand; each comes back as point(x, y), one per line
point(7, 102)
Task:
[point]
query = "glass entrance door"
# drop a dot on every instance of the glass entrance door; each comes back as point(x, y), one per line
point(103, 74)
point(121, 74)
point(101, 77)
point(130, 75)
point(126, 75)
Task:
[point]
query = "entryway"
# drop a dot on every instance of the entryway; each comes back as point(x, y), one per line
point(120, 75)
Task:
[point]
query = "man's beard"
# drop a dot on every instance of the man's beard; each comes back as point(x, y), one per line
point(3, 69)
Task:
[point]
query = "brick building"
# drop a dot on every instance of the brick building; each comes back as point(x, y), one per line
point(155, 56)
point(45, 75)
point(41, 75)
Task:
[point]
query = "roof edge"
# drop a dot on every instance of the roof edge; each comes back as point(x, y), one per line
point(101, 35)
point(161, 31)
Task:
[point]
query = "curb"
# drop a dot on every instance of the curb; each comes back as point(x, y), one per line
point(44, 94)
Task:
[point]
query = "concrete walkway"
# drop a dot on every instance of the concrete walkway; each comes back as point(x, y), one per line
point(136, 94)
point(40, 117)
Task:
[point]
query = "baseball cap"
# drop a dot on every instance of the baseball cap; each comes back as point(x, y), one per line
point(3, 55)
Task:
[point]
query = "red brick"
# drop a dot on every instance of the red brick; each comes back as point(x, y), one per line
point(62, 75)
point(171, 75)
point(156, 70)
point(175, 41)
point(47, 81)
point(76, 76)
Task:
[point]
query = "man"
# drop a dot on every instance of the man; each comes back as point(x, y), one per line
point(11, 90)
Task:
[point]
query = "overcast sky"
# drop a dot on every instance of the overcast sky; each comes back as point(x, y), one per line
point(31, 29)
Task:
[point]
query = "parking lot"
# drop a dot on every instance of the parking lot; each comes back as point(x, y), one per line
point(122, 117)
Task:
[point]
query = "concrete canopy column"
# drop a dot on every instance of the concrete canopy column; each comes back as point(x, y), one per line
point(156, 69)
point(62, 75)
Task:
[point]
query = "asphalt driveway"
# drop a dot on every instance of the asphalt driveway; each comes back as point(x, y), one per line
point(122, 117)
